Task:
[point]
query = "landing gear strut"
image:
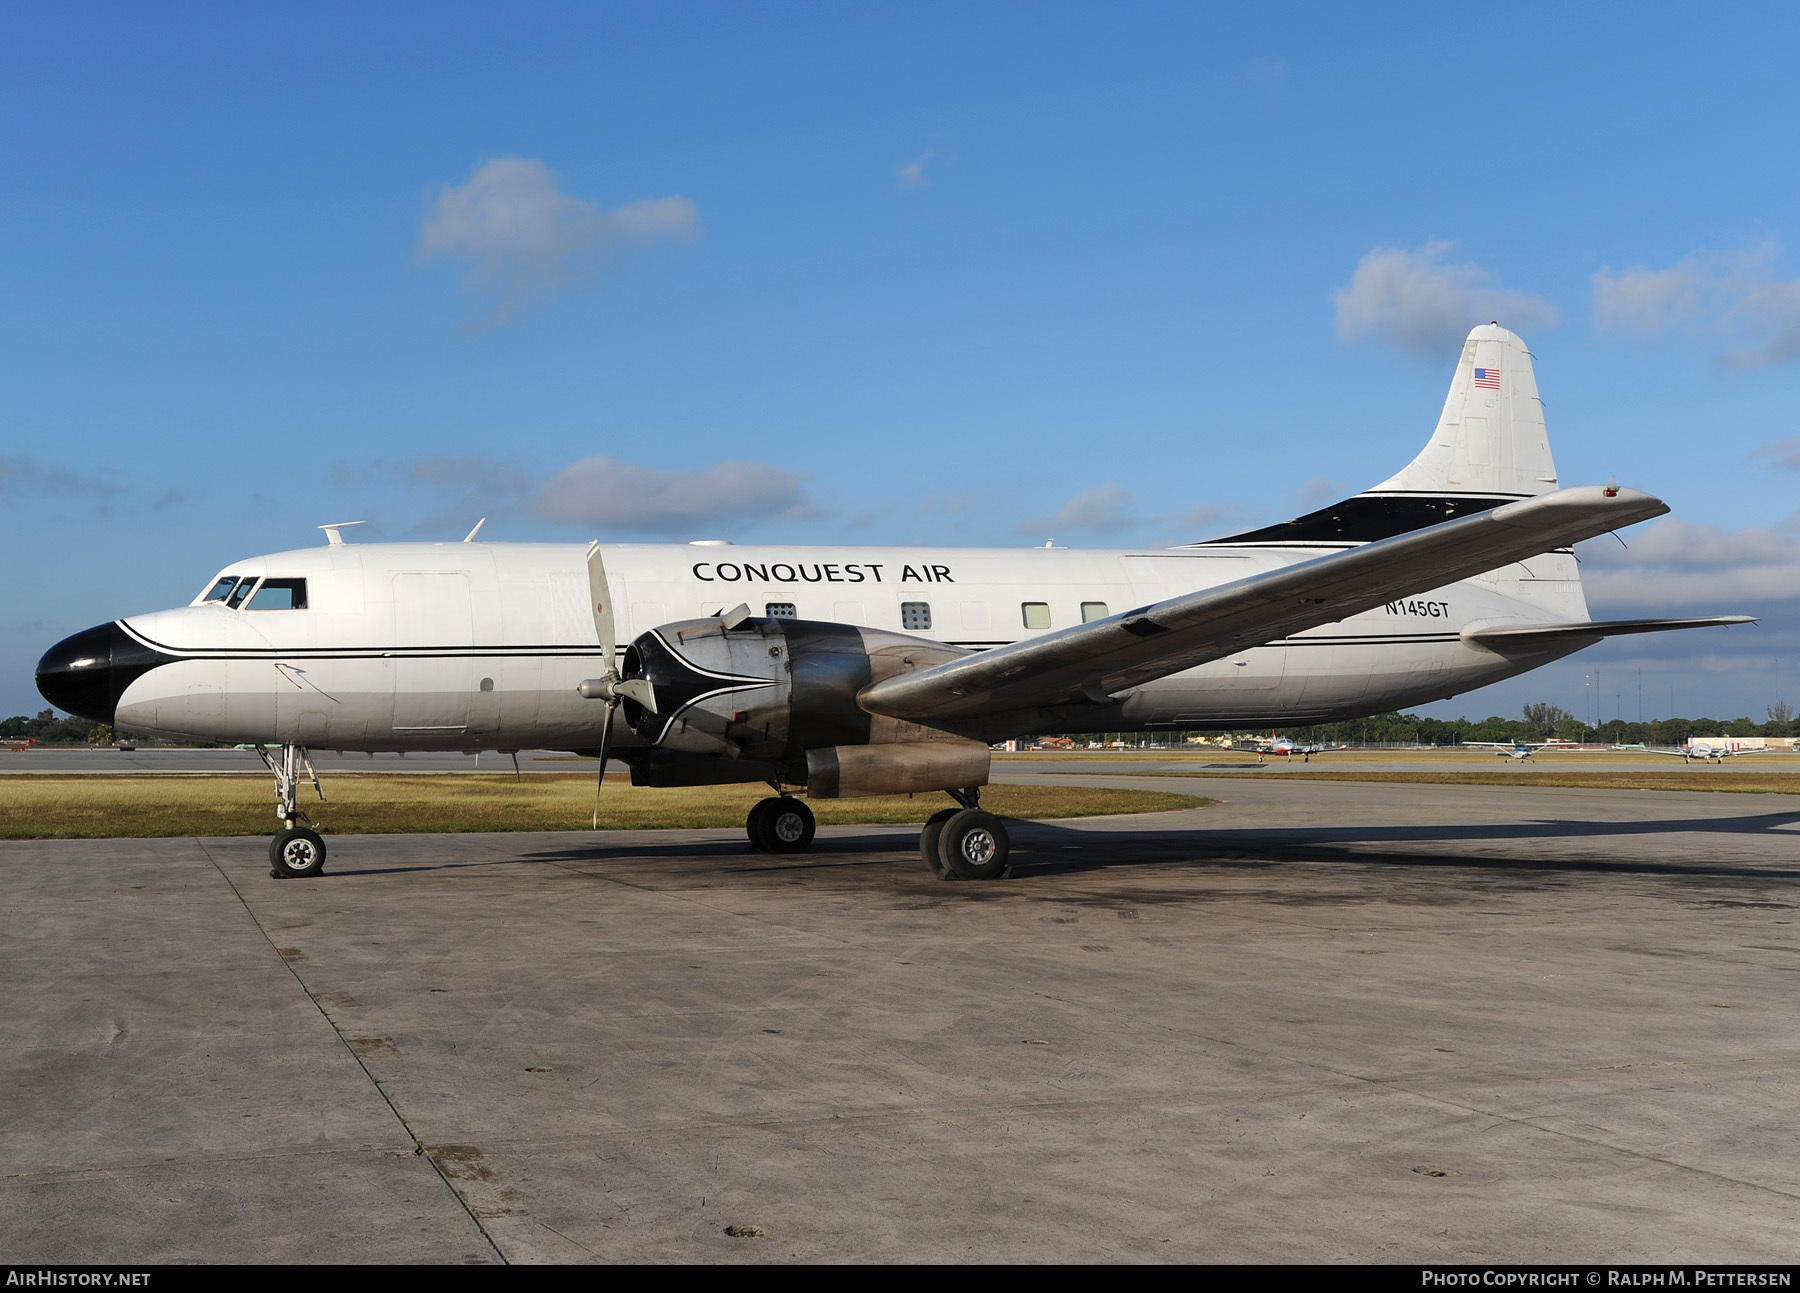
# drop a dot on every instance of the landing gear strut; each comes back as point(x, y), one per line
point(781, 824)
point(965, 843)
point(297, 850)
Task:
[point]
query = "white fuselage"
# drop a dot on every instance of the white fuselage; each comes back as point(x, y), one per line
point(465, 646)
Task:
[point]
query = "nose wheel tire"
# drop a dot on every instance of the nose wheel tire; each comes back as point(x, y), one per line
point(928, 840)
point(783, 825)
point(973, 845)
point(296, 853)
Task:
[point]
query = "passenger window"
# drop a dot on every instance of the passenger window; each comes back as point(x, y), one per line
point(1037, 614)
point(221, 588)
point(279, 595)
point(240, 592)
point(1091, 611)
point(782, 611)
point(915, 615)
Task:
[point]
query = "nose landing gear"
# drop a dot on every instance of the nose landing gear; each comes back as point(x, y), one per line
point(298, 851)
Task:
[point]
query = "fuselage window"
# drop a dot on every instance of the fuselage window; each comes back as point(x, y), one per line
point(224, 586)
point(1091, 611)
point(1037, 614)
point(915, 615)
point(240, 592)
point(782, 611)
point(279, 595)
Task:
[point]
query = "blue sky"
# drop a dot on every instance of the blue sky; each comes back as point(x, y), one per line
point(931, 274)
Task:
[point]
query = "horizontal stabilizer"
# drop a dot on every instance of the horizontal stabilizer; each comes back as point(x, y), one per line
point(1544, 637)
point(1087, 663)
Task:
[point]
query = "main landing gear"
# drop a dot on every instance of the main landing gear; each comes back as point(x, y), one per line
point(965, 843)
point(781, 824)
point(961, 843)
point(297, 850)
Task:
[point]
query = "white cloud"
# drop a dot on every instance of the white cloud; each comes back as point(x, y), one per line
point(1316, 493)
point(1416, 300)
point(599, 492)
point(1112, 510)
point(107, 490)
point(519, 236)
point(1700, 569)
point(912, 174)
point(1197, 521)
point(1648, 301)
point(1783, 453)
point(621, 496)
point(1734, 295)
point(33, 477)
point(1108, 508)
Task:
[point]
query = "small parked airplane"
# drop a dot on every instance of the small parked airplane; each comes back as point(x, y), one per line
point(1704, 751)
point(865, 671)
point(1273, 744)
point(1519, 749)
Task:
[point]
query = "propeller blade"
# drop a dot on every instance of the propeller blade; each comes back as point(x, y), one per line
point(638, 689)
point(605, 746)
point(600, 598)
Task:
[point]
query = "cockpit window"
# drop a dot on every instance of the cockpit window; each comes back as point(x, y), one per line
point(279, 595)
point(218, 591)
point(240, 592)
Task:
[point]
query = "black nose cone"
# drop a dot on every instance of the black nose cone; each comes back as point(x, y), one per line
point(86, 674)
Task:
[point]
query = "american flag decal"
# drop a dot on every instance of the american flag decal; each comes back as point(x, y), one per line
point(1488, 377)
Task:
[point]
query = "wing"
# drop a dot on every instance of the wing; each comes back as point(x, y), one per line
point(1527, 638)
point(1092, 663)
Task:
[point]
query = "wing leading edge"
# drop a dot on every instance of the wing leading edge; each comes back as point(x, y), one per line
point(1091, 663)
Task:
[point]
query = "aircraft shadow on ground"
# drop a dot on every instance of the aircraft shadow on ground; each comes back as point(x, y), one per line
point(1044, 848)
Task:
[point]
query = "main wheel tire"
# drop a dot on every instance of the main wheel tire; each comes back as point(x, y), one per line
point(973, 844)
point(753, 824)
point(297, 853)
point(787, 827)
point(928, 841)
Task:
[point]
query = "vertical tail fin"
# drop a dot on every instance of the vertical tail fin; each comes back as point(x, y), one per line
point(1490, 447)
point(1490, 438)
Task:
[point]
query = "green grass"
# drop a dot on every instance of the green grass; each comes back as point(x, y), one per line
point(79, 807)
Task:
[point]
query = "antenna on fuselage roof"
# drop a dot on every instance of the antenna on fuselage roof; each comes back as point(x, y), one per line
point(332, 538)
point(470, 536)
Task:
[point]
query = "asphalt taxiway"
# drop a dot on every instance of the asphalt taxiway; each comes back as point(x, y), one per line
point(1313, 1021)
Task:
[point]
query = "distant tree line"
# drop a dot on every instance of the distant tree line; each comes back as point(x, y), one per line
point(48, 729)
point(1539, 722)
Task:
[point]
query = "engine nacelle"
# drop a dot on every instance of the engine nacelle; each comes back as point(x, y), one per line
point(769, 690)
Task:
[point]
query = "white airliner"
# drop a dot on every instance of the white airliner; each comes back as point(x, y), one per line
point(838, 671)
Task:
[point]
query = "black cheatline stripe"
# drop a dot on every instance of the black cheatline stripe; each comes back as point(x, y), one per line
point(363, 653)
point(716, 691)
point(1372, 640)
point(1438, 493)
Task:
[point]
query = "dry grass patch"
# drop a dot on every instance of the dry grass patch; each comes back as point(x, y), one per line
point(48, 807)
